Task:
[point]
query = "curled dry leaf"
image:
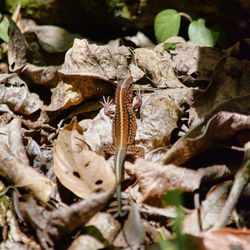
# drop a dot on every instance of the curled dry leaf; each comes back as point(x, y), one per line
point(227, 239)
point(230, 82)
point(15, 93)
point(46, 76)
point(22, 175)
point(52, 38)
point(66, 220)
point(81, 171)
point(222, 125)
point(16, 141)
point(155, 179)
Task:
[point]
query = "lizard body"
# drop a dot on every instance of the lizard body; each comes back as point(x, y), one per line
point(124, 130)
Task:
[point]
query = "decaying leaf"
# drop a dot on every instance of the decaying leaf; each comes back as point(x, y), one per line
point(222, 125)
point(52, 38)
point(190, 60)
point(86, 242)
point(81, 171)
point(230, 82)
point(133, 229)
point(18, 48)
point(16, 141)
point(23, 175)
point(15, 93)
point(106, 224)
point(227, 239)
point(66, 220)
point(158, 65)
point(213, 204)
point(155, 179)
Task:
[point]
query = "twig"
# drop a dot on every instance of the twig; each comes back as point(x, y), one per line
point(241, 179)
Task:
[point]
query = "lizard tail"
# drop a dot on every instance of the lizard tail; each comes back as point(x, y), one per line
point(119, 159)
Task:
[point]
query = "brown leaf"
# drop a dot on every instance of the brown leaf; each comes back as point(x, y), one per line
point(106, 224)
point(86, 242)
point(222, 125)
point(52, 38)
point(18, 48)
point(66, 220)
point(15, 93)
point(23, 175)
point(133, 229)
point(226, 239)
point(156, 63)
point(155, 179)
point(81, 171)
point(190, 59)
point(226, 86)
point(16, 141)
point(41, 74)
point(211, 207)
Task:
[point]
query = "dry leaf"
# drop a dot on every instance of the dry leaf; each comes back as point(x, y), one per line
point(222, 125)
point(133, 229)
point(23, 175)
point(211, 207)
point(66, 220)
point(190, 59)
point(156, 63)
point(16, 141)
point(155, 179)
point(18, 48)
point(86, 242)
point(226, 86)
point(15, 93)
point(52, 38)
point(81, 171)
point(106, 224)
point(226, 239)
point(158, 118)
point(140, 40)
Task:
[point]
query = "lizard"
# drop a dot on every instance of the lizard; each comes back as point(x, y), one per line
point(123, 129)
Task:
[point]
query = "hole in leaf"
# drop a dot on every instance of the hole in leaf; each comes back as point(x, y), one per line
point(76, 174)
point(99, 182)
point(87, 164)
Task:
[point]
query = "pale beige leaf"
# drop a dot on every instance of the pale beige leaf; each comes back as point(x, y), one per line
point(81, 171)
point(211, 207)
point(23, 175)
point(15, 93)
point(106, 224)
point(133, 229)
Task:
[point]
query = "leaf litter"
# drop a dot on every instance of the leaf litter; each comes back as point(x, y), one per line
point(195, 101)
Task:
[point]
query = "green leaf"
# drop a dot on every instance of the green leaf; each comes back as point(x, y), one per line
point(4, 26)
point(169, 46)
point(172, 198)
point(201, 35)
point(166, 24)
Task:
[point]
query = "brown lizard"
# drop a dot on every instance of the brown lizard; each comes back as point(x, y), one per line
point(124, 130)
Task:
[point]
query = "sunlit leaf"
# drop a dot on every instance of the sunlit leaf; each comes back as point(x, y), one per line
point(166, 24)
point(4, 26)
point(199, 34)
